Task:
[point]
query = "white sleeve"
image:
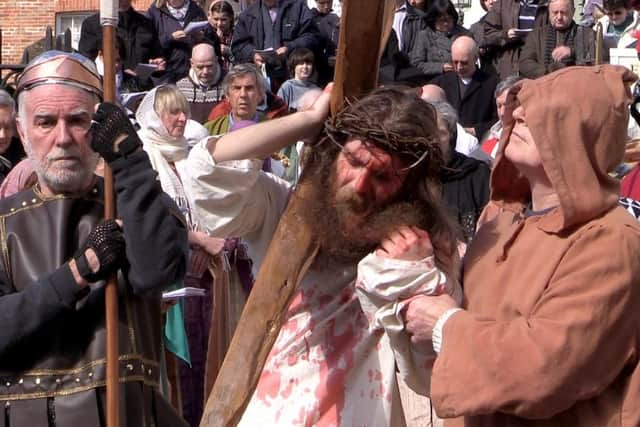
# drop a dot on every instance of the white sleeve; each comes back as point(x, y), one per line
point(233, 198)
point(383, 285)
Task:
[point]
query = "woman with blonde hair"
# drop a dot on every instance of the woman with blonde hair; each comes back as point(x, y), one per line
point(163, 116)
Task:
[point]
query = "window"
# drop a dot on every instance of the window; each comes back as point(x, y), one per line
point(72, 20)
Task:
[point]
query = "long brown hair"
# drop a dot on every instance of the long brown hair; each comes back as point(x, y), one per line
point(401, 123)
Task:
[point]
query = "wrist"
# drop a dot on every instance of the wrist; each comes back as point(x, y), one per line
point(437, 335)
point(193, 237)
point(84, 267)
point(312, 121)
point(80, 281)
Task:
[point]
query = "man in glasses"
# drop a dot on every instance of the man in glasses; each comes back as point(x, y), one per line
point(559, 44)
point(380, 237)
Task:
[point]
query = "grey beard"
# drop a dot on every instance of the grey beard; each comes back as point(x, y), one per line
point(64, 181)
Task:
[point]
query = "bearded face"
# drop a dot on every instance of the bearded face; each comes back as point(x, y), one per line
point(355, 202)
point(54, 126)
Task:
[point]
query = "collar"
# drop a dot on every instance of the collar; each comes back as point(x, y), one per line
point(255, 119)
point(194, 78)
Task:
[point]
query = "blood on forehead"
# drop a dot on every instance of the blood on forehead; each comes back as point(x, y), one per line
point(372, 156)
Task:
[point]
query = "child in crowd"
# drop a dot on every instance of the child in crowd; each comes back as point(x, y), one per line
point(619, 25)
point(301, 66)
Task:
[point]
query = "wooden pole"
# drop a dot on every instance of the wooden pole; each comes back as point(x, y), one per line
point(599, 43)
point(109, 22)
point(293, 246)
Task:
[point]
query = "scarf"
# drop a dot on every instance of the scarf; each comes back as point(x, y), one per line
point(164, 149)
point(194, 78)
point(618, 30)
point(566, 38)
point(179, 13)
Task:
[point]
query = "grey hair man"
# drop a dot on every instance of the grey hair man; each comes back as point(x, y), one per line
point(58, 252)
point(10, 147)
point(245, 89)
point(7, 120)
point(491, 142)
point(465, 180)
point(560, 44)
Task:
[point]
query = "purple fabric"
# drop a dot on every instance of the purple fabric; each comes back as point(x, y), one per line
point(197, 323)
point(237, 253)
point(241, 125)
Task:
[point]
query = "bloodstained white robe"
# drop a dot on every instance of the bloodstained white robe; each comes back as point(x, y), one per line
point(332, 363)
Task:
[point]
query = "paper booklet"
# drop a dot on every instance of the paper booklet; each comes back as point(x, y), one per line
point(183, 293)
point(266, 52)
point(195, 26)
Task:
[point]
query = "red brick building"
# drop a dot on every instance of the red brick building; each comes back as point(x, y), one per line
point(23, 22)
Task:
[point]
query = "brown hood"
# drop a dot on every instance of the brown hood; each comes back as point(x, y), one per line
point(578, 118)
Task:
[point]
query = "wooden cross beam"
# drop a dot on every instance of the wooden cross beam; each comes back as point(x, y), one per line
point(364, 29)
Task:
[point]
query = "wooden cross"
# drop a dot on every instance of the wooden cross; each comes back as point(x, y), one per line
point(365, 26)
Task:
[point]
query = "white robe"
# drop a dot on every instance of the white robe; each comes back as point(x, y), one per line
point(333, 363)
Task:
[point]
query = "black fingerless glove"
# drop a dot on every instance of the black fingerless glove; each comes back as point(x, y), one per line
point(107, 241)
point(110, 123)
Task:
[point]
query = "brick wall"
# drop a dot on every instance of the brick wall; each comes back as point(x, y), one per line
point(25, 21)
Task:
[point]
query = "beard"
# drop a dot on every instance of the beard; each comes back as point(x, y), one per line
point(347, 225)
point(63, 170)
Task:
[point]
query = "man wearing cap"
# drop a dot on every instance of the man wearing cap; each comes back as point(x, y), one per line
point(57, 254)
point(549, 334)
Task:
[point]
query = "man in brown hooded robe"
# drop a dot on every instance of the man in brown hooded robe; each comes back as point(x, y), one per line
point(550, 330)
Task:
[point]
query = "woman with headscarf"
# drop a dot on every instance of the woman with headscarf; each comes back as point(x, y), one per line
point(163, 116)
point(432, 51)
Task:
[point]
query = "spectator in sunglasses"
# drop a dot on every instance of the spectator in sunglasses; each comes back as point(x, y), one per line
point(618, 25)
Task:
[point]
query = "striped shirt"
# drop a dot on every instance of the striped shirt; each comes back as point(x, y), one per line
point(527, 15)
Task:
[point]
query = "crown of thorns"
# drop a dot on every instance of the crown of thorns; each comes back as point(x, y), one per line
point(348, 125)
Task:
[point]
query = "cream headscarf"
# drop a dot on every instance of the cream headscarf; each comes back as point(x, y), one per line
point(163, 149)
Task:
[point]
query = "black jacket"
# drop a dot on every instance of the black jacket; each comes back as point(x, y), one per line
point(135, 30)
point(395, 66)
point(11, 157)
point(329, 30)
point(295, 24)
point(465, 188)
point(55, 331)
point(581, 40)
point(488, 52)
point(176, 52)
point(477, 107)
point(414, 22)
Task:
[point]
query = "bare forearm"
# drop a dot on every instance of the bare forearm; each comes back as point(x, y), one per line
point(261, 140)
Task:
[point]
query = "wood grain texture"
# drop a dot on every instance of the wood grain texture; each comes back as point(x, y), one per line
point(293, 247)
